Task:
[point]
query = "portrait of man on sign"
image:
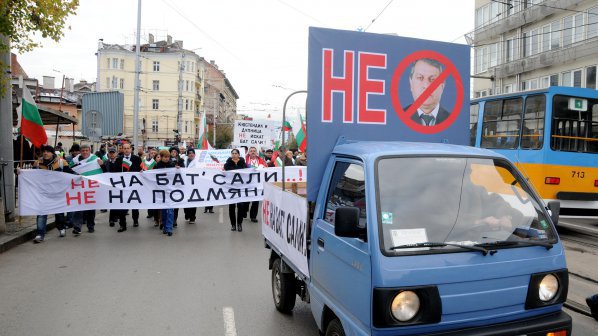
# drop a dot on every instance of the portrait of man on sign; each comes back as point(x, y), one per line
point(424, 72)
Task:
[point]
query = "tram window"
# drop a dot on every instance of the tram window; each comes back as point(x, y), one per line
point(473, 122)
point(533, 122)
point(501, 127)
point(574, 131)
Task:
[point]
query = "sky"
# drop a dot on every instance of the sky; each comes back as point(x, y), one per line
point(261, 45)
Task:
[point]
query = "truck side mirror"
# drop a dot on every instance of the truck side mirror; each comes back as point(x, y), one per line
point(555, 210)
point(346, 222)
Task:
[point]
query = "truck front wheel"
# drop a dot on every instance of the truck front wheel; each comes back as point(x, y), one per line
point(335, 328)
point(283, 288)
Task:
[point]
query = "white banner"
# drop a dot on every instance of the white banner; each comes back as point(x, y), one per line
point(255, 133)
point(284, 225)
point(214, 158)
point(44, 192)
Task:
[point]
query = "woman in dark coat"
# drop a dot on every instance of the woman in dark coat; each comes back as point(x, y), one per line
point(166, 215)
point(235, 161)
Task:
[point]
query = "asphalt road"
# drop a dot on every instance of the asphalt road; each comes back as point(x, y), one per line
point(204, 280)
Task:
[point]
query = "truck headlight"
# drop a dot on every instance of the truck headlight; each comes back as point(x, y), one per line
point(548, 288)
point(405, 306)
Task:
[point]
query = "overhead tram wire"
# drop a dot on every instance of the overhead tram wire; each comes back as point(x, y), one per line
point(374, 19)
point(201, 30)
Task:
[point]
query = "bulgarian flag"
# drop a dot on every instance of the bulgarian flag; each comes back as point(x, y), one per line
point(127, 163)
point(301, 135)
point(203, 135)
point(87, 167)
point(277, 160)
point(31, 124)
point(148, 165)
point(286, 126)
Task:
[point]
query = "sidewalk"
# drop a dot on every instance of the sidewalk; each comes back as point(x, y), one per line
point(18, 233)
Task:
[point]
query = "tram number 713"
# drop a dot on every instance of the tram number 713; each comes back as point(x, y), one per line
point(578, 174)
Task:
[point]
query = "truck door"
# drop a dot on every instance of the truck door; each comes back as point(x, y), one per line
point(341, 266)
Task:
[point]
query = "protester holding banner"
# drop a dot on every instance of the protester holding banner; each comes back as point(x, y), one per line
point(236, 219)
point(177, 161)
point(85, 164)
point(254, 161)
point(50, 161)
point(127, 163)
point(110, 166)
point(190, 163)
point(149, 163)
point(166, 215)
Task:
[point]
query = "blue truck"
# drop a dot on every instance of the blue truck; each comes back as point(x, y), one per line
point(391, 237)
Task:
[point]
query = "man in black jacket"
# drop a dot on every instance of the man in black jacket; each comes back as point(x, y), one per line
point(127, 163)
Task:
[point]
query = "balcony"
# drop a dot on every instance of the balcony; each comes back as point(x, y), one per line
point(521, 18)
point(576, 51)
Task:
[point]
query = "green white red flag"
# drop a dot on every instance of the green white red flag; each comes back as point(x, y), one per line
point(301, 135)
point(203, 135)
point(31, 124)
point(127, 164)
point(148, 164)
point(286, 126)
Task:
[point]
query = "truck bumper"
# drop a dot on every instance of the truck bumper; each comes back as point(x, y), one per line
point(536, 326)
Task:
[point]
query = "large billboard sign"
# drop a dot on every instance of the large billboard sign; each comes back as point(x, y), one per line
point(367, 86)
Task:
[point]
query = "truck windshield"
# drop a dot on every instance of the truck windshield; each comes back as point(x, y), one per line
point(458, 201)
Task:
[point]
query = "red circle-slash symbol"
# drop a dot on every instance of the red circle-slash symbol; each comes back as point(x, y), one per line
point(405, 116)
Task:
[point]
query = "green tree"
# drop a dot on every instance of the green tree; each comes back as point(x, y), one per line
point(224, 136)
point(20, 19)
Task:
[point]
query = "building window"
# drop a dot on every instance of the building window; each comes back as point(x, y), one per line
point(577, 78)
point(156, 66)
point(554, 80)
point(186, 104)
point(545, 38)
point(122, 63)
point(510, 50)
point(186, 85)
point(566, 78)
point(114, 82)
point(115, 63)
point(156, 85)
point(508, 88)
point(579, 28)
point(591, 77)
point(155, 104)
point(122, 83)
point(155, 125)
point(535, 41)
point(593, 22)
point(493, 54)
point(544, 82)
point(186, 126)
point(555, 35)
point(526, 44)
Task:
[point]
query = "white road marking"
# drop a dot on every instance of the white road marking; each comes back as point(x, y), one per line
point(229, 321)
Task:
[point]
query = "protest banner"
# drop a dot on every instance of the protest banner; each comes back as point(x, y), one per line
point(50, 192)
point(284, 224)
point(259, 134)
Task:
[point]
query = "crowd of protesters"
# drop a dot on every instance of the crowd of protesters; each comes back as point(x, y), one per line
point(120, 157)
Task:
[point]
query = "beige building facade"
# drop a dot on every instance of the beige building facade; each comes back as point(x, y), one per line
point(532, 44)
point(169, 76)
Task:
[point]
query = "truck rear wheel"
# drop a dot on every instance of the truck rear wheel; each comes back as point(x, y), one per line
point(283, 288)
point(335, 328)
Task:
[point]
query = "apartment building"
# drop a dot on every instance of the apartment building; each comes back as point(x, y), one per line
point(531, 44)
point(169, 75)
point(220, 98)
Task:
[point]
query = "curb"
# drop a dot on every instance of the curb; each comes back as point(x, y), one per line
point(22, 237)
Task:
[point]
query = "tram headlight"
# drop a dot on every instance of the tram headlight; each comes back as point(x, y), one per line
point(405, 306)
point(548, 288)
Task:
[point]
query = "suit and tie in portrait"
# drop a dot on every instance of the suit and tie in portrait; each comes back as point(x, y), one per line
point(424, 72)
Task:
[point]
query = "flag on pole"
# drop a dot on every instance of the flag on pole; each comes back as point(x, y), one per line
point(301, 135)
point(31, 125)
point(276, 159)
point(203, 135)
point(286, 126)
point(87, 167)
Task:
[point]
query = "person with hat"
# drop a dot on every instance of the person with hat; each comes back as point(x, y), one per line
point(50, 161)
